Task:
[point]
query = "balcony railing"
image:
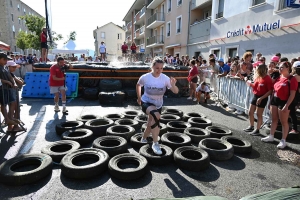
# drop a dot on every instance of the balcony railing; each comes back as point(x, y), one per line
point(200, 32)
point(158, 39)
point(142, 11)
point(128, 26)
point(142, 29)
point(219, 15)
point(156, 17)
point(137, 33)
point(129, 38)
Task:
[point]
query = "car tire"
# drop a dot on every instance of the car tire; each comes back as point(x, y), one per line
point(87, 117)
point(71, 170)
point(163, 128)
point(115, 98)
point(9, 175)
point(99, 126)
point(123, 131)
point(109, 85)
point(135, 140)
point(191, 158)
point(175, 140)
point(57, 150)
point(90, 93)
point(152, 158)
point(82, 135)
point(166, 118)
point(131, 114)
point(217, 149)
point(141, 119)
point(129, 122)
point(177, 126)
point(66, 126)
point(218, 131)
point(187, 116)
point(113, 145)
point(114, 117)
point(196, 134)
point(128, 174)
point(172, 111)
point(239, 145)
point(199, 122)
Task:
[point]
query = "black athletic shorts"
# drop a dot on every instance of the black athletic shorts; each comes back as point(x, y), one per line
point(124, 52)
point(133, 52)
point(262, 104)
point(146, 105)
point(6, 96)
point(275, 101)
point(194, 80)
point(44, 45)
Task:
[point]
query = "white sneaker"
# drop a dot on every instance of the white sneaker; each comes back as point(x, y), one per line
point(269, 138)
point(56, 108)
point(189, 98)
point(282, 144)
point(238, 112)
point(195, 99)
point(64, 110)
point(156, 149)
point(144, 140)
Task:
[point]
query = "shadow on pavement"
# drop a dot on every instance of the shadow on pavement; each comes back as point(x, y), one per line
point(253, 155)
point(235, 163)
point(6, 142)
point(84, 184)
point(208, 175)
point(8, 191)
point(221, 110)
point(51, 135)
point(134, 184)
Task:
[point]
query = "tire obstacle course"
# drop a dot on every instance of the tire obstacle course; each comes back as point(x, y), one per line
point(191, 147)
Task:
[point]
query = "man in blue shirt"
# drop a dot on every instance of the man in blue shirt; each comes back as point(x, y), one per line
point(224, 69)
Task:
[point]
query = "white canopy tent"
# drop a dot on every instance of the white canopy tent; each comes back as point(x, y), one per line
point(69, 48)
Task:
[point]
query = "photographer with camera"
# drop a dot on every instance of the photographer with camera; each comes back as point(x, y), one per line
point(57, 82)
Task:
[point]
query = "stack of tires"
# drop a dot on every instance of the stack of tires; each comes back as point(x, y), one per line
point(190, 139)
point(111, 92)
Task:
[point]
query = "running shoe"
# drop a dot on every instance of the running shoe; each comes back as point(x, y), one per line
point(56, 108)
point(293, 131)
point(189, 98)
point(269, 138)
point(255, 132)
point(238, 112)
point(144, 140)
point(282, 144)
point(195, 99)
point(156, 149)
point(64, 110)
point(249, 129)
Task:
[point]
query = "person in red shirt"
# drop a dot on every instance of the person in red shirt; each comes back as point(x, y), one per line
point(133, 50)
point(44, 45)
point(285, 88)
point(124, 50)
point(262, 88)
point(57, 83)
point(193, 79)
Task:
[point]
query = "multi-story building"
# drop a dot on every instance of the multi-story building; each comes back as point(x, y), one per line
point(230, 28)
point(158, 26)
point(11, 24)
point(113, 37)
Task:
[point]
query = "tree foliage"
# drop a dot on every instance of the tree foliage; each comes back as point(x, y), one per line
point(72, 36)
point(22, 41)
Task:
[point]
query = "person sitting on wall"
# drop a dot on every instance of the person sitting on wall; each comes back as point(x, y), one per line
point(202, 89)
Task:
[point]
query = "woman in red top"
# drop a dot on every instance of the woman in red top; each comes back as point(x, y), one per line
point(44, 45)
point(262, 88)
point(133, 50)
point(193, 79)
point(285, 88)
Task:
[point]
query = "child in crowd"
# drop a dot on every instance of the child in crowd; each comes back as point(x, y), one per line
point(244, 71)
point(202, 89)
point(233, 69)
point(273, 71)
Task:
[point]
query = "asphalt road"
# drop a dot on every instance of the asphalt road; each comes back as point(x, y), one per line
point(242, 175)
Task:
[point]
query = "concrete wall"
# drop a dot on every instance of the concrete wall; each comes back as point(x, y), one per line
point(111, 40)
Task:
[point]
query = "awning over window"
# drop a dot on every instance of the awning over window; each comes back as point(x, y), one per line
point(173, 45)
point(4, 47)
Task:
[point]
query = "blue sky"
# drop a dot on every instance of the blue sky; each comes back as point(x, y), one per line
point(82, 16)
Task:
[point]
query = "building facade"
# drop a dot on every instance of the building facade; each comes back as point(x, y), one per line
point(235, 27)
point(158, 26)
point(11, 24)
point(113, 36)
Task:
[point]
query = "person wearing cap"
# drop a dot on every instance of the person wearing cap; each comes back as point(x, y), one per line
point(102, 50)
point(6, 82)
point(57, 83)
point(275, 59)
point(296, 74)
point(13, 111)
point(44, 46)
point(224, 69)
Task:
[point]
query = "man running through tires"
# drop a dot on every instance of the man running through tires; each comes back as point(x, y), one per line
point(124, 50)
point(102, 50)
point(44, 45)
point(57, 83)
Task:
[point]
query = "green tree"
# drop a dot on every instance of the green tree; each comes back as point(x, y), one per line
point(72, 36)
point(22, 41)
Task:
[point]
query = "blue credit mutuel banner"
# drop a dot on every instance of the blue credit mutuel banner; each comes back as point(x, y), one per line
point(293, 3)
point(256, 28)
